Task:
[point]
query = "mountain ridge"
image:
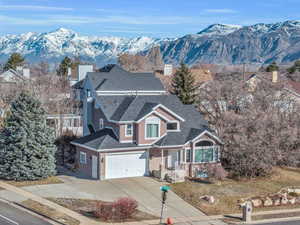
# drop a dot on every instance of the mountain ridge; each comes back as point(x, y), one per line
point(218, 43)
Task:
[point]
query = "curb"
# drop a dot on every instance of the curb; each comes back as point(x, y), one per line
point(31, 212)
point(274, 220)
point(38, 213)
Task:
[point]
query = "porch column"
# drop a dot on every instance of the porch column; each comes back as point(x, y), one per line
point(162, 166)
point(162, 158)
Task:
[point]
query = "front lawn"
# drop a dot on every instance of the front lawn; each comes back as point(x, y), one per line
point(49, 180)
point(49, 212)
point(228, 192)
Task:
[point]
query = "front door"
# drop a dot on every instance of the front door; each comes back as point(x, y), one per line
point(94, 167)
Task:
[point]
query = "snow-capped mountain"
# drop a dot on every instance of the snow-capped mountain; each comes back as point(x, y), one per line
point(219, 29)
point(52, 46)
point(226, 44)
point(218, 43)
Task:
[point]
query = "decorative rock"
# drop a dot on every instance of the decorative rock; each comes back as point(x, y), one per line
point(268, 202)
point(284, 201)
point(210, 199)
point(295, 190)
point(284, 195)
point(256, 202)
point(276, 201)
point(292, 201)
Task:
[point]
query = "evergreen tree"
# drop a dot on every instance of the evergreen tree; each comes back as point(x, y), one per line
point(14, 60)
point(63, 67)
point(295, 67)
point(183, 85)
point(27, 149)
point(272, 67)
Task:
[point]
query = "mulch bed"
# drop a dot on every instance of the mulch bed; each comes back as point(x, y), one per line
point(86, 207)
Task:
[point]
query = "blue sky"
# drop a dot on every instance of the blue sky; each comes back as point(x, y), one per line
point(129, 18)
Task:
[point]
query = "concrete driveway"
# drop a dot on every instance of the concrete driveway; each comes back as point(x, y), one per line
point(143, 189)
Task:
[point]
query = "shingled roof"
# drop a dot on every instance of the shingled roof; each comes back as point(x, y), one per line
point(114, 78)
point(132, 108)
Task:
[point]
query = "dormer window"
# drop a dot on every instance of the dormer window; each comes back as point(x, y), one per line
point(173, 126)
point(128, 130)
point(152, 128)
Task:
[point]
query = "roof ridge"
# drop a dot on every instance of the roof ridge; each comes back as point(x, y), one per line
point(134, 98)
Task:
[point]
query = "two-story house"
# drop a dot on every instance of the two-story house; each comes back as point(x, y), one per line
point(132, 127)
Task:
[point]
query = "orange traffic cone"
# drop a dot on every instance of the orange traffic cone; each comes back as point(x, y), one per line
point(170, 221)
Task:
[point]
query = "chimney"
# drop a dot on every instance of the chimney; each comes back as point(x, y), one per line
point(69, 72)
point(168, 70)
point(83, 70)
point(19, 69)
point(275, 76)
point(26, 73)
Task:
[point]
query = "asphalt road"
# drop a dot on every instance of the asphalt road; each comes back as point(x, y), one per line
point(10, 215)
point(283, 223)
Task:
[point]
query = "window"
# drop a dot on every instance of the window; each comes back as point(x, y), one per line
point(82, 158)
point(128, 130)
point(188, 155)
point(91, 129)
point(152, 127)
point(76, 122)
point(88, 93)
point(208, 154)
point(67, 122)
point(205, 152)
point(101, 124)
point(172, 126)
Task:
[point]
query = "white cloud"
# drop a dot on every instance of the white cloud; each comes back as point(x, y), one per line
point(34, 8)
point(220, 11)
point(133, 20)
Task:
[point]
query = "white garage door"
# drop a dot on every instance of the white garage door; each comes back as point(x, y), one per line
point(127, 164)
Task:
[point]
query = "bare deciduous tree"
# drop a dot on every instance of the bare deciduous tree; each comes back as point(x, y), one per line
point(260, 128)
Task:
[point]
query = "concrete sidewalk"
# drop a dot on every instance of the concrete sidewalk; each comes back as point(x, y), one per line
point(83, 220)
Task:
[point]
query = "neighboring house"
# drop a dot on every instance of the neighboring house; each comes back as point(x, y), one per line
point(65, 123)
point(132, 127)
point(72, 122)
point(76, 78)
point(276, 78)
point(14, 76)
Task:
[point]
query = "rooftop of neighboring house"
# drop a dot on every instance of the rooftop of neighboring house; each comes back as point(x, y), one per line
point(294, 86)
point(12, 76)
point(135, 108)
point(282, 80)
point(114, 78)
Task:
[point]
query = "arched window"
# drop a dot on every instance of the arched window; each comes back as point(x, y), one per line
point(204, 143)
point(206, 152)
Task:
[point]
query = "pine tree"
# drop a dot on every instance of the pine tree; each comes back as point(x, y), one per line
point(183, 85)
point(63, 67)
point(272, 67)
point(295, 67)
point(27, 149)
point(14, 60)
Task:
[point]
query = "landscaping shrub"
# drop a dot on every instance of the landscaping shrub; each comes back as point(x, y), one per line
point(120, 209)
point(125, 207)
point(218, 172)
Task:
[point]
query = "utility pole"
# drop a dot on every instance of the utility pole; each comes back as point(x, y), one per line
point(244, 71)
